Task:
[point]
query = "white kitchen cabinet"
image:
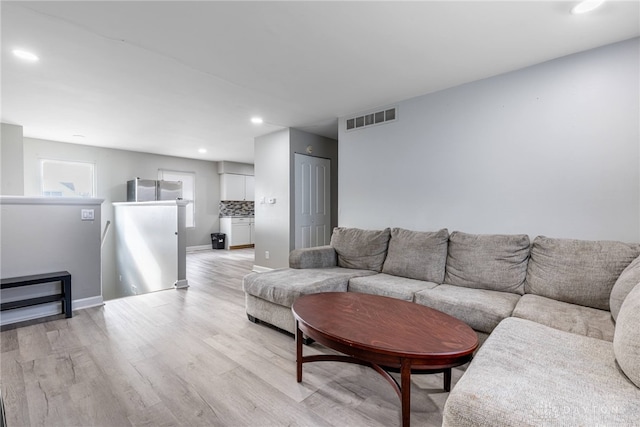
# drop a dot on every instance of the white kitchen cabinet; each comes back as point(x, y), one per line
point(249, 188)
point(253, 231)
point(237, 187)
point(238, 232)
point(241, 234)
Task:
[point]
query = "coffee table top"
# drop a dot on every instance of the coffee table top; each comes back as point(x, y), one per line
point(385, 329)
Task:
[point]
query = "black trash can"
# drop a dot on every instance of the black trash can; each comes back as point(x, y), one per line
point(217, 240)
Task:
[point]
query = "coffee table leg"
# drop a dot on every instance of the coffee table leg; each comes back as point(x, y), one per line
point(447, 380)
point(405, 385)
point(298, 352)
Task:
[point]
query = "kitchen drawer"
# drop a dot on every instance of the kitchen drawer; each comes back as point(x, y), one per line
point(241, 220)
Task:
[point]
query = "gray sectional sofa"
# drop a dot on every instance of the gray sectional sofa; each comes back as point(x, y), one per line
point(559, 319)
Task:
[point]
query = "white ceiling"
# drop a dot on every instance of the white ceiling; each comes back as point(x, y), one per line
point(170, 77)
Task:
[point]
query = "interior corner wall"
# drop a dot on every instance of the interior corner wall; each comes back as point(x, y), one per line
point(272, 221)
point(11, 160)
point(553, 149)
point(321, 147)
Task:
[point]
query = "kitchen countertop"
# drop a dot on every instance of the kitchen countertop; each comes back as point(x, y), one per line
point(237, 216)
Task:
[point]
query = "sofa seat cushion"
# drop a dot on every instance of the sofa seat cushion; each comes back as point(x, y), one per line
point(627, 280)
point(361, 249)
point(527, 374)
point(577, 271)
point(487, 261)
point(567, 317)
point(419, 255)
point(283, 286)
point(389, 286)
point(479, 308)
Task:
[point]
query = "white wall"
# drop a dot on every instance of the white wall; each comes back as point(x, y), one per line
point(272, 224)
point(274, 156)
point(113, 169)
point(44, 235)
point(11, 155)
point(552, 149)
point(150, 248)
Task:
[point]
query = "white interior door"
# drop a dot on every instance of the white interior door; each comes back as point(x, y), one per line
point(312, 201)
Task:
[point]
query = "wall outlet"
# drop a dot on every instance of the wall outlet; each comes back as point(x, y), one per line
point(266, 254)
point(87, 214)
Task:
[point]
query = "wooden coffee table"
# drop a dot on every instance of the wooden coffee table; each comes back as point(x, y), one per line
point(385, 334)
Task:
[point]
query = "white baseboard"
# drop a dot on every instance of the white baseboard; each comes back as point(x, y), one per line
point(198, 248)
point(261, 269)
point(79, 304)
point(29, 313)
point(44, 310)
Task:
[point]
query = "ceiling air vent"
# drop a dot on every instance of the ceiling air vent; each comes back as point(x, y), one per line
point(371, 119)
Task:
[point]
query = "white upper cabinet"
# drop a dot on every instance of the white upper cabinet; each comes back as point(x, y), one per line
point(249, 188)
point(237, 187)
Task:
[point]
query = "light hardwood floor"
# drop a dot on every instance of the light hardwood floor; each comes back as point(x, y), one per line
point(190, 357)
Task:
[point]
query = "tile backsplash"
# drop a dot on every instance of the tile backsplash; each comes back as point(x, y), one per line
point(236, 208)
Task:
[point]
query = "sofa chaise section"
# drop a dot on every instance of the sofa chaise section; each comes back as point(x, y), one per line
point(353, 253)
point(529, 374)
point(269, 296)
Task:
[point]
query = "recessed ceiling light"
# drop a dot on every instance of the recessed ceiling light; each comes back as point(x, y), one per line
point(586, 6)
point(23, 54)
point(202, 150)
point(256, 120)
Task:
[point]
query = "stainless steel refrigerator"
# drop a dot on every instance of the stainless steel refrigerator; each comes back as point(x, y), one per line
point(141, 190)
point(146, 190)
point(169, 190)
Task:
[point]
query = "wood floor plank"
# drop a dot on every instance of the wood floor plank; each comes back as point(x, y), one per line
point(154, 416)
point(133, 391)
point(96, 403)
point(176, 394)
point(339, 406)
point(9, 341)
point(33, 342)
point(188, 357)
point(261, 404)
point(13, 389)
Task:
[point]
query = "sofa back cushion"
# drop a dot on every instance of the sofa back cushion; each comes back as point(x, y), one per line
point(491, 261)
point(577, 271)
point(629, 278)
point(626, 340)
point(419, 255)
point(360, 249)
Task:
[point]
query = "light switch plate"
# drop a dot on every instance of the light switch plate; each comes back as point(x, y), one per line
point(87, 214)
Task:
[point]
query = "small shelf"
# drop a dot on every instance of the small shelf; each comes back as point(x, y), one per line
point(64, 296)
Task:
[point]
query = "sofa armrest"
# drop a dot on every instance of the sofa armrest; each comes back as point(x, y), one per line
point(317, 257)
